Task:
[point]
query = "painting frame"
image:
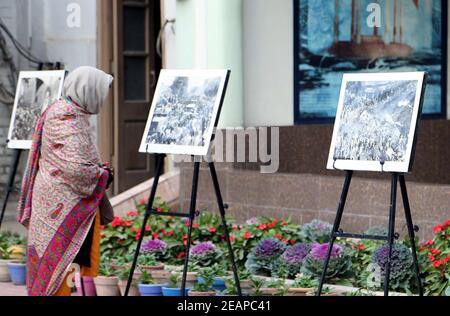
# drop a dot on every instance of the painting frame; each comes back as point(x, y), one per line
point(25, 144)
point(336, 163)
point(192, 150)
point(300, 119)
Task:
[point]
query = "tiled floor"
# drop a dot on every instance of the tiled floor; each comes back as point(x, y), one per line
point(9, 289)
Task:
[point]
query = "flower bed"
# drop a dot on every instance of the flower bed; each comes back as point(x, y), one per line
point(277, 248)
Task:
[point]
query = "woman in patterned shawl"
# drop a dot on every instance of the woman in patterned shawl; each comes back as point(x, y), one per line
point(63, 201)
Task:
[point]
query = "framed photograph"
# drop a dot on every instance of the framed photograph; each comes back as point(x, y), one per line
point(185, 111)
point(360, 36)
point(36, 90)
point(376, 122)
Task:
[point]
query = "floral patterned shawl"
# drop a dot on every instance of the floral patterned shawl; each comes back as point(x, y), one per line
point(62, 188)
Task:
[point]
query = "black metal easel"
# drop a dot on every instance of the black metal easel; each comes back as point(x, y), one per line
point(9, 188)
point(193, 213)
point(338, 233)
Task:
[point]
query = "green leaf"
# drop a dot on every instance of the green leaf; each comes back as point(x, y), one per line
point(447, 291)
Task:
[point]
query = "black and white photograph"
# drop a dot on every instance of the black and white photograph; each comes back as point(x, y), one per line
point(376, 122)
point(36, 90)
point(184, 112)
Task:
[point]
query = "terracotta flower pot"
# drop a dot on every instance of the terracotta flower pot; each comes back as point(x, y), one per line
point(161, 276)
point(191, 279)
point(269, 291)
point(299, 291)
point(202, 294)
point(4, 272)
point(107, 286)
point(152, 268)
point(134, 290)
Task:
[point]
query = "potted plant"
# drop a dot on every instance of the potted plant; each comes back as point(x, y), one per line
point(173, 287)
point(4, 260)
point(107, 284)
point(303, 284)
point(205, 288)
point(148, 262)
point(274, 288)
point(326, 291)
point(219, 281)
point(257, 285)
point(147, 286)
point(123, 282)
point(18, 271)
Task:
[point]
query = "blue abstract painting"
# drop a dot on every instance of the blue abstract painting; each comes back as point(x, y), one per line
point(333, 37)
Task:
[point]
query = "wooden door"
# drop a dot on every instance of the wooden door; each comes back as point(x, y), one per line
point(137, 25)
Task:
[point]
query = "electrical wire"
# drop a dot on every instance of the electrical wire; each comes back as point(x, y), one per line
point(22, 50)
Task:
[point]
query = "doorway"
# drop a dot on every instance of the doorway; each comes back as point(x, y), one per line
point(128, 32)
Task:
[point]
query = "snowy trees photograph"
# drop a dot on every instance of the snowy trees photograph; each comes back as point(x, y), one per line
point(185, 109)
point(377, 119)
point(36, 90)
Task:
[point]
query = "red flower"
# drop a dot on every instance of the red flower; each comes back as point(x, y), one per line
point(132, 214)
point(143, 202)
point(292, 242)
point(170, 234)
point(158, 210)
point(128, 223)
point(270, 226)
point(438, 229)
point(262, 226)
point(232, 238)
point(195, 226)
point(212, 230)
point(155, 236)
point(102, 227)
point(428, 243)
point(360, 247)
point(247, 235)
point(286, 242)
point(181, 255)
point(278, 236)
point(435, 252)
point(432, 258)
point(447, 224)
point(447, 259)
point(185, 237)
point(116, 222)
point(147, 228)
point(438, 263)
point(234, 227)
point(186, 223)
point(138, 234)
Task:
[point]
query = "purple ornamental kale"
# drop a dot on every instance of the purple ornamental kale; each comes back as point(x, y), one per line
point(203, 249)
point(154, 246)
point(296, 254)
point(319, 251)
point(268, 249)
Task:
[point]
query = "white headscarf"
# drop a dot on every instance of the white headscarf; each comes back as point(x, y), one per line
point(89, 87)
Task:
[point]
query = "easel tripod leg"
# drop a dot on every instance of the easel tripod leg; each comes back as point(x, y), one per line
point(412, 237)
point(151, 200)
point(10, 184)
point(225, 226)
point(391, 234)
point(191, 222)
point(336, 226)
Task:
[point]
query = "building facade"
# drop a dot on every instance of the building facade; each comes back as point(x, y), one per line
point(255, 40)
